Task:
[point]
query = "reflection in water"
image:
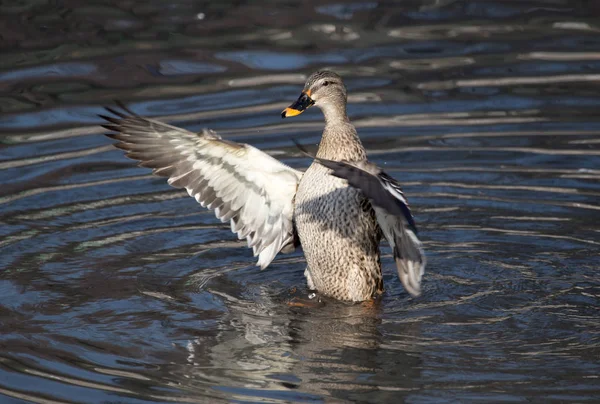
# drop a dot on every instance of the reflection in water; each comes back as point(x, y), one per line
point(295, 353)
point(116, 287)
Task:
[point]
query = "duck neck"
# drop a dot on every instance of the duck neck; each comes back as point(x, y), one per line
point(340, 140)
point(335, 112)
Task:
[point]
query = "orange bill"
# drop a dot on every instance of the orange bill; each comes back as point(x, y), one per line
point(290, 112)
point(303, 102)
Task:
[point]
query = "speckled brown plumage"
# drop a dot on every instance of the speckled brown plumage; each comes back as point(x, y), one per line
point(340, 237)
point(337, 226)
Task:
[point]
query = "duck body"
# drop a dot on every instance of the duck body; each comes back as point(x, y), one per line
point(340, 237)
point(339, 209)
point(336, 224)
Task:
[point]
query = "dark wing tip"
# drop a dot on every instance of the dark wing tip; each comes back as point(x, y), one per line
point(110, 119)
point(111, 127)
point(124, 107)
point(122, 112)
point(302, 149)
point(115, 123)
point(332, 165)
point(115, 112)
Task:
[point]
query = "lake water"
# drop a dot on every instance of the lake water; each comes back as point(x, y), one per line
point(116, 288)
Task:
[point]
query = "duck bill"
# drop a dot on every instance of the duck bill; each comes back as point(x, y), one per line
point(303, 102)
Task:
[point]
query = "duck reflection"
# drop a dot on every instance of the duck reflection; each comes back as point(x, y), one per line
point(332, 349)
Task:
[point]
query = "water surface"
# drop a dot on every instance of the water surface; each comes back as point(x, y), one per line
point(117, 288)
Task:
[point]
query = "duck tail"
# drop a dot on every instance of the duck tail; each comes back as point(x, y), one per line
point(410, 260)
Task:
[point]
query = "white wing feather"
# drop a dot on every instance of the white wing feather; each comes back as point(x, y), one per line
point(242, 184)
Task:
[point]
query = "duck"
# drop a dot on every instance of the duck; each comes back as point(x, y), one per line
point(338, 210)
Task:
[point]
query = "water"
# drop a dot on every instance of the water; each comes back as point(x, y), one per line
point(117, 288)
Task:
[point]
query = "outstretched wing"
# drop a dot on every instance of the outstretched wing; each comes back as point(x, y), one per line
point(242, 184)
point(393, 216)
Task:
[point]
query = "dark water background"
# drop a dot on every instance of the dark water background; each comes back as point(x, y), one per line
point(116, 288)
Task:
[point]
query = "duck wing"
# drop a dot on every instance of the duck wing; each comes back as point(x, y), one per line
point(242, 184)
point(393, 216)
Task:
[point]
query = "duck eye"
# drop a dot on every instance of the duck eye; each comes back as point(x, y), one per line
point(325, 83)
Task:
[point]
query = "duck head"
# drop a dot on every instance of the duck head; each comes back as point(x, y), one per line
point(322, 88)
